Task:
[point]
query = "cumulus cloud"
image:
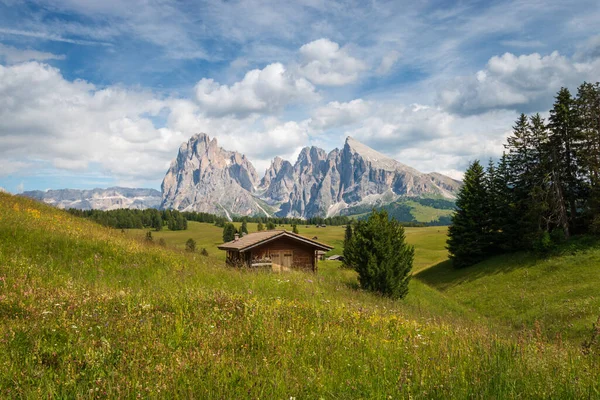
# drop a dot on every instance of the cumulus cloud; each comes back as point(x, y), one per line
point(430, 138)
point(336, 114)
point(266, 90)
point(526, 83)
point(45, 118)
point(325, 63)
point(395, 125)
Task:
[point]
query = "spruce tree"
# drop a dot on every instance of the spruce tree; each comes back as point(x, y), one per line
point(564, 140)
point(587, 105)
point(260, 227)
point(380, 256)
point(244, 227)
point(229, 232)
point(469, 233)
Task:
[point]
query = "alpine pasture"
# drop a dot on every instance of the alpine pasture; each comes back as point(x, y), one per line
point(93, 312)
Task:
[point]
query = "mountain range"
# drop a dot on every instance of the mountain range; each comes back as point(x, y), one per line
point(99, 199)
point(207, 178)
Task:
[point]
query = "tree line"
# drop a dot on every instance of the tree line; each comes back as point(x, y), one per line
point(544, 189)
point(135, 219)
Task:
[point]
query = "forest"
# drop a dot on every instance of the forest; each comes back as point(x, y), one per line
point(543, 190)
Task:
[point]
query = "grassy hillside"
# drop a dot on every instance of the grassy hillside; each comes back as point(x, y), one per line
point(407, 210)
point(558, 295)
point(90, 312)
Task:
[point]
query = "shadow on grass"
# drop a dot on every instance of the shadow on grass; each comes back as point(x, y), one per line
point(444, 276)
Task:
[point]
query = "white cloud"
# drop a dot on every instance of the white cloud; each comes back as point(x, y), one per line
point(20, 187)
point(45, 118)
point(526, 83)
point(325, 63)
point(395, 126)
point(49, 36)
point(266, 90)
point(336, 114)
point(12, 55)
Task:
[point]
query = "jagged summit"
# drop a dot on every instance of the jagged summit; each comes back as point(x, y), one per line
point(205, 177)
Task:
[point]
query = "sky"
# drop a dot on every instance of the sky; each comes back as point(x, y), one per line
point(103, 93)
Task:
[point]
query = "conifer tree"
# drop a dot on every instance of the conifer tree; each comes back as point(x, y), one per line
point(260, 227)
point(229, 232)
point(379, 254)
point(244, 227)
point(563, 141)
point(587, 105)
point(469, 233)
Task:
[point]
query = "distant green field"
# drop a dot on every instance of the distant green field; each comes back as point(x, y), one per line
point(90, 312)
point(425, 213)
point(429, 242)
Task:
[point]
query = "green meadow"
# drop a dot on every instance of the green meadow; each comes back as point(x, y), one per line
point(93, 312)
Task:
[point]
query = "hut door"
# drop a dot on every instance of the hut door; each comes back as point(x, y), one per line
point(286, 262)
point(276, 261)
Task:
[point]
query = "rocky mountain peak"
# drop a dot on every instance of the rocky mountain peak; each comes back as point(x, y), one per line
point(206, 178)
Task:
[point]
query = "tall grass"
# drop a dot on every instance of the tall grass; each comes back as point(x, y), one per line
point(87, 312)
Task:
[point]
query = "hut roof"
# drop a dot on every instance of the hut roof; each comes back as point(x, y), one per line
point(257, 238)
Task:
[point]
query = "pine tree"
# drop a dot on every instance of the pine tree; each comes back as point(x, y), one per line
point(295, 229)
point(229, 232)
point(587, 106)
point(260, 227)
point(379, 254)
point(244, 227)
point(156, 221)
point(564, 140)
point(469, 233)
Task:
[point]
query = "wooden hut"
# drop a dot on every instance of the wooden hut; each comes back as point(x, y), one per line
point(279, 250)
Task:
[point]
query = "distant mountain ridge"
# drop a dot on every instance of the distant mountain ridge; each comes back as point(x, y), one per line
point(205, 177)
point(98, 199)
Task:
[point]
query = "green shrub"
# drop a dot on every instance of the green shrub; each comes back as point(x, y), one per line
point(190, 245)
point(543, 244)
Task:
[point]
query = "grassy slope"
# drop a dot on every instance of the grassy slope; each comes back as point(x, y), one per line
point(558, 295)
point(88, 312)
point(425, 213)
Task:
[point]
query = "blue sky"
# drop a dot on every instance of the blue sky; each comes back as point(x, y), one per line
point(101, 93)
